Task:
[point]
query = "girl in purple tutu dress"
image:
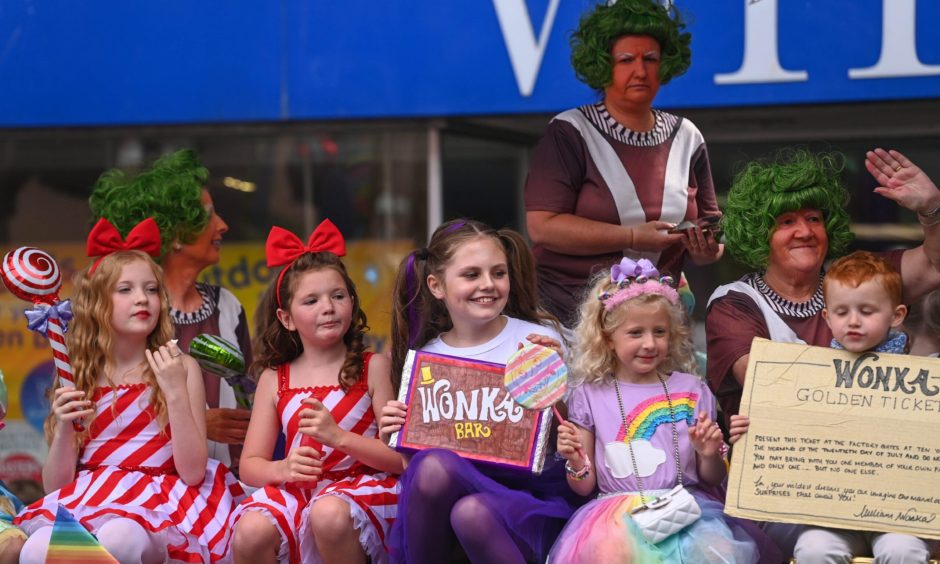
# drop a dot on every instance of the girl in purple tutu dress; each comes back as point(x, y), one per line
point(336, 494)
point(471, 293)
point(647, 424)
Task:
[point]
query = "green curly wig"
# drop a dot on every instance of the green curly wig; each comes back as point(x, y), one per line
point(604, 25)
point(793, 180)
point(170, 192)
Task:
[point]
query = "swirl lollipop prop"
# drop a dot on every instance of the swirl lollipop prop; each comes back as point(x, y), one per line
point(32, 275)
point(536, 377)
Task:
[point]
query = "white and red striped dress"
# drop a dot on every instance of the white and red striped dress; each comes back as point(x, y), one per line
point(126, 470)
point(372, 495)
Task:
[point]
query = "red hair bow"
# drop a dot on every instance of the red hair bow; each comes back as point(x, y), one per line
point(105, 239)
point(283, 247)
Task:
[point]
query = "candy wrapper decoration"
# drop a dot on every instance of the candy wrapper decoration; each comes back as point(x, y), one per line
point(71, 543)
point(32, 275)
point(218, 356)
point(461, 405)
point(4, 400)
point(536, 377)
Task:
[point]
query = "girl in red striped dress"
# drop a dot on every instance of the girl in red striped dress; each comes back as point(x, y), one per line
point(138, 474)
point(335, 496)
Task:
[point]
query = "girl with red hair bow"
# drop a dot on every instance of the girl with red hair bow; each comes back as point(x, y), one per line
point(138, 474)
point(335, 495)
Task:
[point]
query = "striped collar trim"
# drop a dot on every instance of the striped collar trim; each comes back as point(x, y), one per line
point(209, 300)
point(663, 129)
point(783, 306)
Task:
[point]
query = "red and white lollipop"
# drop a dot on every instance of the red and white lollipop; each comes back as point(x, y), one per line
point(32, 275)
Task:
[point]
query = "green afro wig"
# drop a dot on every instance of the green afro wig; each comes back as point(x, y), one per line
point(793, 180)
point(170, 192)
point(605, 24)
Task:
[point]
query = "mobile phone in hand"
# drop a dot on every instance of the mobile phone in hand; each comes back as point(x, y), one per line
point(707, 223)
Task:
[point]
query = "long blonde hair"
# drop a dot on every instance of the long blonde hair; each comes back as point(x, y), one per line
point(592, 359)
point(90, 336)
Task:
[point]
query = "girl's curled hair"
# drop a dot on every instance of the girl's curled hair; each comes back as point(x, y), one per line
point(90, 336)
point(418, 317)
point(274, 345)
point(591, 358)
point(793, 180)
point(599, 29)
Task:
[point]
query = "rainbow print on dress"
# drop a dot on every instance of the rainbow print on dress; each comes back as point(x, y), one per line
point(647, 416)
point(72, 543)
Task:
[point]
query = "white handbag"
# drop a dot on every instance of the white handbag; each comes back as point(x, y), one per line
point(674, 510)
point(667, 514)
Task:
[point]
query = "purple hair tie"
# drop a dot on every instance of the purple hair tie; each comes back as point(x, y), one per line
point(457, 225)
point(411, 286)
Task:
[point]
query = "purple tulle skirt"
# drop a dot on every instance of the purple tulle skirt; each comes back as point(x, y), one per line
point(532, 508)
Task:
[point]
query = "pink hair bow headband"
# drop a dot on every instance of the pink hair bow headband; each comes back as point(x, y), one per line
point(635, 278)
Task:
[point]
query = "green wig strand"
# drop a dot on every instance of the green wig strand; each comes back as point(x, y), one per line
point(605, 24)
point(793, 180)
point(170, 192)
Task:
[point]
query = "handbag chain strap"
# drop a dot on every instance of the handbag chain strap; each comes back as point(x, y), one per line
point(675, 434)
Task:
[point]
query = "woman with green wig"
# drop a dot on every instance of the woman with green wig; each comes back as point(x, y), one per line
point(611, 179)
point(173, 192)
point(785, 217)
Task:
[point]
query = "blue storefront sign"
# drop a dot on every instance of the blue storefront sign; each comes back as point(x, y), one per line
point(125, 63)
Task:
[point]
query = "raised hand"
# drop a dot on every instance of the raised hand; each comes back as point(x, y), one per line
point(70, 404)
point(902, 181)
point(168, 368)
point(317, 423)
point(705, 436)
point(569, 444)
point(302, 464)
point(393, 417)
point(739, 425)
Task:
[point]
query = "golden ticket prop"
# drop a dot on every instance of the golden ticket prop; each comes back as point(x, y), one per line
point(463, 406)
point(839, 439)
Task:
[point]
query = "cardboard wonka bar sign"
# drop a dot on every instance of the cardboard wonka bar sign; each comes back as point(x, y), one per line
point(839, 439)
point(462, 405)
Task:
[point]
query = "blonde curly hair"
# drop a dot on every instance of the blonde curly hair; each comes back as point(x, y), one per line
point(592, 360)
point(90, 336)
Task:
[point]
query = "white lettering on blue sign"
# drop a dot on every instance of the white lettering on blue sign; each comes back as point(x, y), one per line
point(525, 51)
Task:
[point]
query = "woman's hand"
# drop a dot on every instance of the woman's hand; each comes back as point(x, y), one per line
point(653, 236)
point(705, 436)
point(168, 368)
point(69, 404)
point(302, 464)
point(702, 245)
point(227, 425)
point(739, 425)
point(569, 444)
point(902, 181)
point(317, 423)
point(393, 417)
